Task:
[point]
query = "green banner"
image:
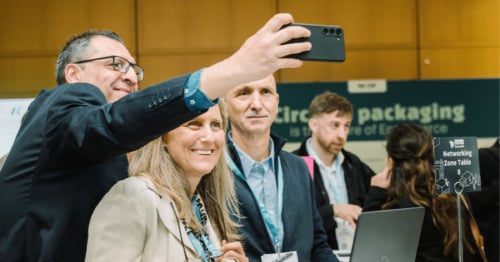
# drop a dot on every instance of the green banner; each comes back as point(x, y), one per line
point(444, 107)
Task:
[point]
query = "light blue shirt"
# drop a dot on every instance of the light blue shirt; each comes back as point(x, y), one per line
point(195, 99)
point(332, 176)
point(261, 178)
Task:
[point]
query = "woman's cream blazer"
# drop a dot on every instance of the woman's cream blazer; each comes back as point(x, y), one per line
point(133, 222)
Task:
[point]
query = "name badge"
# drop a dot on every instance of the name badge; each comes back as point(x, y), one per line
point(290, 256)
point(344, 233)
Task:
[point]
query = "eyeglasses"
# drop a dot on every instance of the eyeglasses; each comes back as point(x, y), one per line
point(119, 64)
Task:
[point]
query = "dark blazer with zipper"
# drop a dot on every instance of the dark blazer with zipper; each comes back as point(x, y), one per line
point(303, 231)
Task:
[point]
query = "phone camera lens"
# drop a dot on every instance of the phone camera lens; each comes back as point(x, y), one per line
point(332, 31)
point(338, 32)
point(325, 31)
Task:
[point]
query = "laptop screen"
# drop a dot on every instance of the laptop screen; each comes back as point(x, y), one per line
point(389, 235)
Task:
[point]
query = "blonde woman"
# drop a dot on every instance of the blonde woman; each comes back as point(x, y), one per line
point(175, 205)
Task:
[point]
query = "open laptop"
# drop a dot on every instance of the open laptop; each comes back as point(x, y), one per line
point(389, 235)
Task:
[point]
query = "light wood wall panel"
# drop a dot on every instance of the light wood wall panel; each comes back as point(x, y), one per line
point(25, 76)
point(31, 27)
point(396, 64)
point(180, 36)
point(367, 23)
point(459, 38)
point(456, 62)
point(162, 67)
point(392, 39)
point(33, 32)
point(380, 38)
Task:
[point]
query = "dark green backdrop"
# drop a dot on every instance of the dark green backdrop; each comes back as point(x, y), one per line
point(445, 107)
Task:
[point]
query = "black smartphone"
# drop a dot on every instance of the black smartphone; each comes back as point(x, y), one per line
point(327, 43)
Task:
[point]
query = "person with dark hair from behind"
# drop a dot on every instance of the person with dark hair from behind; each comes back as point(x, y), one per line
point(72, 144)
point(176, 203)
point(274, 188)
point(341, 179)
point(484, 203)
point(408, 181)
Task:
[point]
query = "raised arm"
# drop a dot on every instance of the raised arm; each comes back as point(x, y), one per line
point(261, 55)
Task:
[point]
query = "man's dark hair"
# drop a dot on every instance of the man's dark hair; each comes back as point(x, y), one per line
point(329, 102)
point(75, 48)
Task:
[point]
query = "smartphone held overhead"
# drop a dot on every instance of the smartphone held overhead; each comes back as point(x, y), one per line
point(327, 43)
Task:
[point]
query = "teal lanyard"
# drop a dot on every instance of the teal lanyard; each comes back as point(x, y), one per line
point(202, 243)
point(274, 226)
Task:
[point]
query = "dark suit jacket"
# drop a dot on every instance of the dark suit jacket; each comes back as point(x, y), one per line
point(69, 151)
point(302, 224)
point(357, 180)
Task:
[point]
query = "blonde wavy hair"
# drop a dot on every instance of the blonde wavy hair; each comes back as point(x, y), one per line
point(215, 188)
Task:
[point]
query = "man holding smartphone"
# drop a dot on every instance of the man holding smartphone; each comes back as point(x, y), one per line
point(72, 144)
